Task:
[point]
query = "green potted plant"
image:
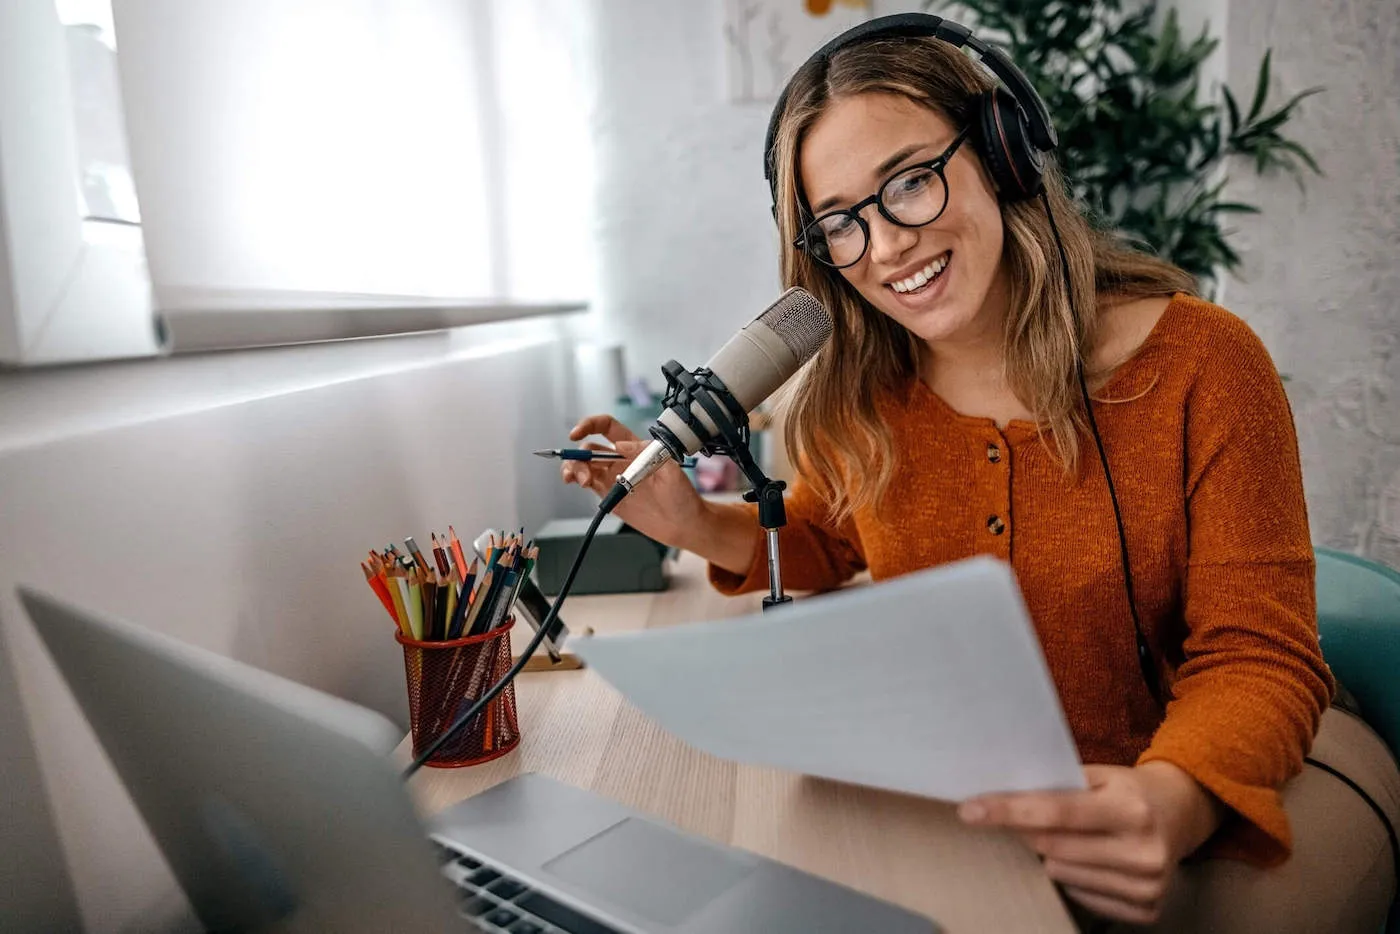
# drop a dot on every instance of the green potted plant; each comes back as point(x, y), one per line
point(1142, 148)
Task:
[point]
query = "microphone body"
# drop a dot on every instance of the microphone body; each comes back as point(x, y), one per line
point(750, 367)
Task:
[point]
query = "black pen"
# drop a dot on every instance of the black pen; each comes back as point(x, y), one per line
point(584, 454)
point(581, 454)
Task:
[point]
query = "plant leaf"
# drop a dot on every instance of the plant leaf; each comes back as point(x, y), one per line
point(1302, 154)
point(1261, 90)
point(1234, 207)
point(1233, 110)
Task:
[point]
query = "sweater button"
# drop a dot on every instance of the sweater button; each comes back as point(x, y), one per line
point(993, 453)
point(995, 525)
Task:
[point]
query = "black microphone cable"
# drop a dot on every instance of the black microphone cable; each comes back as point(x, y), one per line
point(606, 506)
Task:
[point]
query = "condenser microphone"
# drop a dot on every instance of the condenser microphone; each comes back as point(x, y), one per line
point(745, 371)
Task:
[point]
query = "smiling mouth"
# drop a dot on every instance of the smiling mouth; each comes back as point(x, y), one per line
point(924, 277)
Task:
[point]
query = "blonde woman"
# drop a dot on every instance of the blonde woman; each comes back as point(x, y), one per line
point(1158, 533)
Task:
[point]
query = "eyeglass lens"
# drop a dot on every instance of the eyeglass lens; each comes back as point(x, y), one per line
point(912, 198)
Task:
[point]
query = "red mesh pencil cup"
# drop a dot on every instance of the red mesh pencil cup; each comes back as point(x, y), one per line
point(444, 680)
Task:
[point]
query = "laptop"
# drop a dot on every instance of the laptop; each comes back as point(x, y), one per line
point(279, 809)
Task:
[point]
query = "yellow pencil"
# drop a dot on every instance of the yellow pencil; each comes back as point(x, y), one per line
point(414, 602)
point(451, 601)
point(394, 583)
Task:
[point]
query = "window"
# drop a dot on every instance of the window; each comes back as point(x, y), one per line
point(333, 157)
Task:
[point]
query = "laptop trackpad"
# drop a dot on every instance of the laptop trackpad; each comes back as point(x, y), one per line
point(655, 872)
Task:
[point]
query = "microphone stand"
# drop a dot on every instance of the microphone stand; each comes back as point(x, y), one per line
point(685, 388)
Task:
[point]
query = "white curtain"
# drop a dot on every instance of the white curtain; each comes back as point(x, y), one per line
point(399, 147)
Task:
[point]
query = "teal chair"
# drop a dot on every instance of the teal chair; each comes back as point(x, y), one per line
point(1358, 617)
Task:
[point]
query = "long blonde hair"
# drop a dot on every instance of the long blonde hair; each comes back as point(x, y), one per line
point(833, 428)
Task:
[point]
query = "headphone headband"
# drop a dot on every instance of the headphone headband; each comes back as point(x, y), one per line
point(918, 25)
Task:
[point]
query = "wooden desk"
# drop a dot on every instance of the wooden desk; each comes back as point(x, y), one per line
point(908, 850)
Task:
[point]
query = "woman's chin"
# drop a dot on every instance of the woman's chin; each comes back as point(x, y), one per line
point(948, 313)
point(939, 322)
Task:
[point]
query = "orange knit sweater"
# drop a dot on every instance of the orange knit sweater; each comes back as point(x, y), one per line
point(1205, 463)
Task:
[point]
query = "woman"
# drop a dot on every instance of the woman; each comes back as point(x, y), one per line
point(945, 419)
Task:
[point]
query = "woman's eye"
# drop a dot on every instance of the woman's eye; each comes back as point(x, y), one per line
point(912, 183)
point(837, 226)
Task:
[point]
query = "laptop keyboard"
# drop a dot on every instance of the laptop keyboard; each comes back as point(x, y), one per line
point(501, 904)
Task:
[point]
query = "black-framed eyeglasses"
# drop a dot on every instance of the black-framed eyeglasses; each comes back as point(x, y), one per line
point(912, 197)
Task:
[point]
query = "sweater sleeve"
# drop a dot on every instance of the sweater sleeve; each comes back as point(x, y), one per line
point(816, 554)
point(1248, 696)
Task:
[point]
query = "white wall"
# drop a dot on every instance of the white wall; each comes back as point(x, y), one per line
point(1321, 282)
point(226, 500)
point(687, 248)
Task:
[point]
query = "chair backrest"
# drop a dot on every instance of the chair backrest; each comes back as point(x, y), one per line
point(1358, 618)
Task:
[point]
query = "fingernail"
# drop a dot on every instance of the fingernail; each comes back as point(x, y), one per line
point(971, 812)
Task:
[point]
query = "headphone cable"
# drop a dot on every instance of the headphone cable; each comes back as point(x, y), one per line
point(1144, 655)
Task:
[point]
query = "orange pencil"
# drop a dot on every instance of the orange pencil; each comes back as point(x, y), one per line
point(380, 591)
point(490, 705)
point(456, 545)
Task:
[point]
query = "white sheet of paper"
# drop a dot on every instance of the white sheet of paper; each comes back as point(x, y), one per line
point(932, 684)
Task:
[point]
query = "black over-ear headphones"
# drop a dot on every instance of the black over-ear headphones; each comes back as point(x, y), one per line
point(1013, 127)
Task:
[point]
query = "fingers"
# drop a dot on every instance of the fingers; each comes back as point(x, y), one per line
point(574, 473)
point(1111, 907)
point(598, 475)
point(1085, 811)
point(592, 475)
point(1145, 858)
point(630, 448)
point(1136, 890)
point(604, 425)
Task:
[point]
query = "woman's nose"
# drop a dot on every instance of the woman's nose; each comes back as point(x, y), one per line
point(889, 241)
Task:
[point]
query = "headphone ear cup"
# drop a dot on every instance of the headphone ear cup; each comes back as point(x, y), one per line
point(1014, 163)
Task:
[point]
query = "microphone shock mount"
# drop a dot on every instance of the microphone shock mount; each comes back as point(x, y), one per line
point(684, 390)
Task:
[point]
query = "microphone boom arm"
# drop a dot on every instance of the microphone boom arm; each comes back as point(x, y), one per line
point(683, 389)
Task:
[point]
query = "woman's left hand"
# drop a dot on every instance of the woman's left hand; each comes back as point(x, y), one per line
point(1113, 848)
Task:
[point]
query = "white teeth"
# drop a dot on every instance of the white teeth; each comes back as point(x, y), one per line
point(922, 277)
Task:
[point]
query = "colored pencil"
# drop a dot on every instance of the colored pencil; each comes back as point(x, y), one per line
point(415, 606)
point(380, 590)
point(456, 545)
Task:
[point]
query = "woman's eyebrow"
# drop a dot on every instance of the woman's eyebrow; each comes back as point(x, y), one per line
point(881, 170)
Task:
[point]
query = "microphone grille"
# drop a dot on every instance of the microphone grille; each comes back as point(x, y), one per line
point(800, 321)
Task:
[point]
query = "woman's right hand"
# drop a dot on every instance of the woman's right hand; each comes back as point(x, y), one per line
point(664, 507)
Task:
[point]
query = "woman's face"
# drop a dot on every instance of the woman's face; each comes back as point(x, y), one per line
point(854, 147)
